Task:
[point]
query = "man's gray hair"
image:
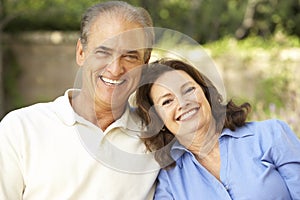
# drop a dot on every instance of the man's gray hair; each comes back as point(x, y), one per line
point(123, 10)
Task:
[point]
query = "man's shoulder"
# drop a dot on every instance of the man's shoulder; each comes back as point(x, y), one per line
point(35, 110)
point(29, 109)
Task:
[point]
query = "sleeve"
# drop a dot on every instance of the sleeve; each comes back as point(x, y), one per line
point(163, 190)
point(286, 157)
point(11, 179)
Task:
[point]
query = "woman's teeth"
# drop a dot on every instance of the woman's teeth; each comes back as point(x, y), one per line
point(187, 115)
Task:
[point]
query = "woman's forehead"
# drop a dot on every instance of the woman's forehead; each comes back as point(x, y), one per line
point(173, 78)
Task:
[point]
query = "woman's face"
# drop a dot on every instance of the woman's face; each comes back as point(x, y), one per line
point(180, 102)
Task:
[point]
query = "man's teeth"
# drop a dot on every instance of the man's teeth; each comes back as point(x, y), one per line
point(187, 115)
point(112, 82)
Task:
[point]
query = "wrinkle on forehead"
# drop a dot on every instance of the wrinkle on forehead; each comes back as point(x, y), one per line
point(127, 41)
point(118, 33)
point(170, 79)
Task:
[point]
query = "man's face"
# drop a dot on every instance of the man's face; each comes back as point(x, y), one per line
point(115, 48)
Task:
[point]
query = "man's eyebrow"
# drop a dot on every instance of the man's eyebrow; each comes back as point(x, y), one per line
point(131, 51)
point(104, 48)
point(126, 51)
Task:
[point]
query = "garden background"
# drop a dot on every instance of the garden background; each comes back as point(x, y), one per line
point(254, 43)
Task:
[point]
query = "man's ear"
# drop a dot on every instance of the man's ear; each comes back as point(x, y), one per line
point(147, 55)
point(80, 56)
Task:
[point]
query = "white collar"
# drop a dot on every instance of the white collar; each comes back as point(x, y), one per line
point(129, 119)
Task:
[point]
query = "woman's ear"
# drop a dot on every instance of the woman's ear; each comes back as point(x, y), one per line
point(80, 56)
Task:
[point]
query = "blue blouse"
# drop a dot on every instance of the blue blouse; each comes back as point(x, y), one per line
point(258, 161)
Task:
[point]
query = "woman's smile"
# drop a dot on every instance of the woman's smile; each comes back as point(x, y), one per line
point(188, 115)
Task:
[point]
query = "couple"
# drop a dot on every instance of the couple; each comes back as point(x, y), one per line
point(87, 144)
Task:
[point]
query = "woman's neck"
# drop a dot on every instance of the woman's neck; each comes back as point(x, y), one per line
point(204, 141)
point(212, 161)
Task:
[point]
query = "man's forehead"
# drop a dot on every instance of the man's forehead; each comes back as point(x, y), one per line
point(129, 40)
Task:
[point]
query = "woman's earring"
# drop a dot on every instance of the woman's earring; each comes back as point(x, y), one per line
point(163, 129)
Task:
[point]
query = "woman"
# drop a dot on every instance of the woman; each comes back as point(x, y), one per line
point(207, 148)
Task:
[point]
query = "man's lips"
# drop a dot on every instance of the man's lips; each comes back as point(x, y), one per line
point(188, 114)
point(111, 82)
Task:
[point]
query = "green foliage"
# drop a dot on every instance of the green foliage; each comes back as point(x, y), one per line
point(45, 14)
point(203, 20)
point(274, 89)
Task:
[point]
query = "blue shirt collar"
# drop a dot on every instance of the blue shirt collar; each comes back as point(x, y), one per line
point(178, 149)
point(240, 132)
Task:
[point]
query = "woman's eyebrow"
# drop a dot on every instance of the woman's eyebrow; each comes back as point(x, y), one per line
point(187, 83)
point(161, 97)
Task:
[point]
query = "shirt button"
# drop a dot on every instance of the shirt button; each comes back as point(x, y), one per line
point(226, 187)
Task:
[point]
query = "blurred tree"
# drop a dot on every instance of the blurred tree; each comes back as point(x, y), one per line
point(248, 21)
point(266, 17)
point(204, 20)
point(2, 24)
point(48, 14)
point(4, 20)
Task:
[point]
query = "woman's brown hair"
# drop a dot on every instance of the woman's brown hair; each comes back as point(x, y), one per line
point(227, 115)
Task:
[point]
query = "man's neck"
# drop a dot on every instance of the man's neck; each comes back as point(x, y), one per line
point(99, 114)
point(106, 116)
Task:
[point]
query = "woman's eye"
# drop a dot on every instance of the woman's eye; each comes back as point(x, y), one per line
point(190, 89)
point(166, 102)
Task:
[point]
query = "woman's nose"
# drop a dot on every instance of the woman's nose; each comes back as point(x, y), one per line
point(182, 102)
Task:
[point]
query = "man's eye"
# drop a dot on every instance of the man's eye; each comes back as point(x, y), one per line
point(131, 57)
point(103, 53)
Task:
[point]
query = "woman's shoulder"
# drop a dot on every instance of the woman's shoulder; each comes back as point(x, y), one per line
point(256, 128)
point(270, 128)
point(269, 124)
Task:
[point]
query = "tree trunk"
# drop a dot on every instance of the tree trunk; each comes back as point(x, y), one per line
point(4, 20)
point(2, 107)
point(248, 20)
point(1, 65)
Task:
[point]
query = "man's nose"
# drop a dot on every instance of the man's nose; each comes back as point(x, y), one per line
point(115, 67)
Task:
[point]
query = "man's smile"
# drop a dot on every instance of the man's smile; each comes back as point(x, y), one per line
point(111, 82)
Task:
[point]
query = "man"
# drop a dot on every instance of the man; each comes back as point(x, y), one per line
point(85, 144)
